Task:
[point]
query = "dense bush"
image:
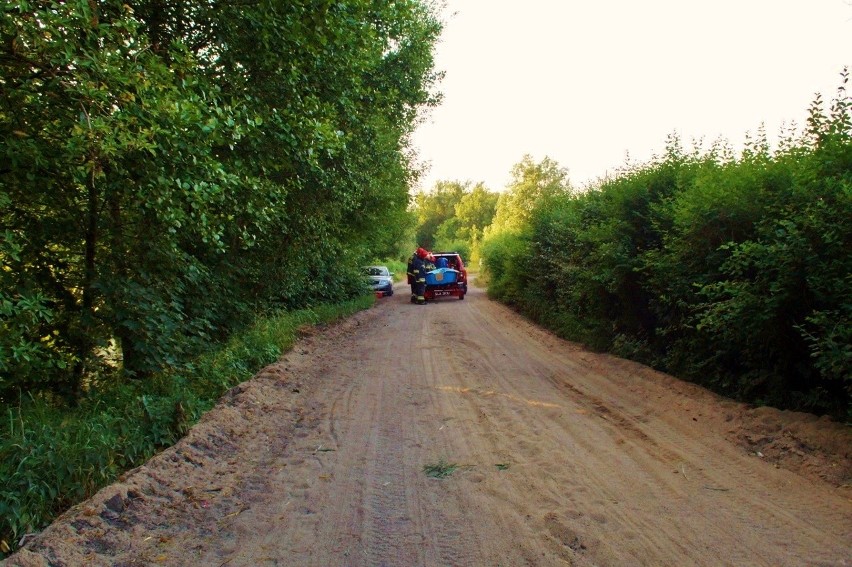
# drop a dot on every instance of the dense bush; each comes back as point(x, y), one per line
point(503, 257)
point(732, 272)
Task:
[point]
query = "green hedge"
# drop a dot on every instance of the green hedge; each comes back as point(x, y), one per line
point(731, 272)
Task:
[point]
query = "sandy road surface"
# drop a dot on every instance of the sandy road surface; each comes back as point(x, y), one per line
point(565, 457)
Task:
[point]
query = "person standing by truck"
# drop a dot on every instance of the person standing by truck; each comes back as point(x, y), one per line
point(410, 273)
point(417, 276)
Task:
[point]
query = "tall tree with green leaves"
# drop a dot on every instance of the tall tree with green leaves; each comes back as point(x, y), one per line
point(533, 188)
point(475, 210)
point(532, 185)
point(434, 208)
point(463, 231)
point(174, 166)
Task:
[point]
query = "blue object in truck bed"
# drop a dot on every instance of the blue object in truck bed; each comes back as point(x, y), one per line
point(441, 276)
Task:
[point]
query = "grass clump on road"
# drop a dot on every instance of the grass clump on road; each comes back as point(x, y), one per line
point(441, 469)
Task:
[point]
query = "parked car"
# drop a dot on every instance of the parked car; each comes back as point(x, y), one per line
point(453, 278)
point(380, 279)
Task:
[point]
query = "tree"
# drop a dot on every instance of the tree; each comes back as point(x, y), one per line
point(463, 231)
point(532, 185)
point(475, 211)
point(434, 208)
point(169, 167)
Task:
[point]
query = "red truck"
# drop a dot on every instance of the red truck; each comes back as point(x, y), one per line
point(451, 282)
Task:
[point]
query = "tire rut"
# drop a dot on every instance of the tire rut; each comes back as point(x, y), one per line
point(565, 457)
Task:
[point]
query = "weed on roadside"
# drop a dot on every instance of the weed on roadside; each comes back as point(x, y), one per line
point(442, 469)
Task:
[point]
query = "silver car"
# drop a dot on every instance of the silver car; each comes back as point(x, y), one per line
point(380, 279)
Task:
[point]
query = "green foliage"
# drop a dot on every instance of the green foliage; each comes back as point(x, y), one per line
point(505, 261)
point(460, 246)
point(171, 167)
point(475, 210)
point(454, 216)
point(53, 457)
point(28, 349)
point(434, 208)
point(533, 186)
point(731, 272)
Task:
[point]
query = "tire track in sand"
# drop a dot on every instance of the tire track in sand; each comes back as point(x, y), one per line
point(319, 461)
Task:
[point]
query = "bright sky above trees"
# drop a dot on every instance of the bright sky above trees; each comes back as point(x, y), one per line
point(587, 82)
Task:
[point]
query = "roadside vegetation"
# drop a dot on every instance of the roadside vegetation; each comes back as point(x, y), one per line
point(452, 216)
point(52, 456)
point(731, 271)
point(180, 183)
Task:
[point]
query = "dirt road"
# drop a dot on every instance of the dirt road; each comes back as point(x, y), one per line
point(554, 456)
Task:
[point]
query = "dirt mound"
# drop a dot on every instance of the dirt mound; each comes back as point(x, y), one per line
point(815, 447)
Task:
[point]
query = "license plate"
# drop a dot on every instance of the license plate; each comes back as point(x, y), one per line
point(441, 293)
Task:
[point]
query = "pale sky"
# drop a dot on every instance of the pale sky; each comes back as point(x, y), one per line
point(584, 82)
